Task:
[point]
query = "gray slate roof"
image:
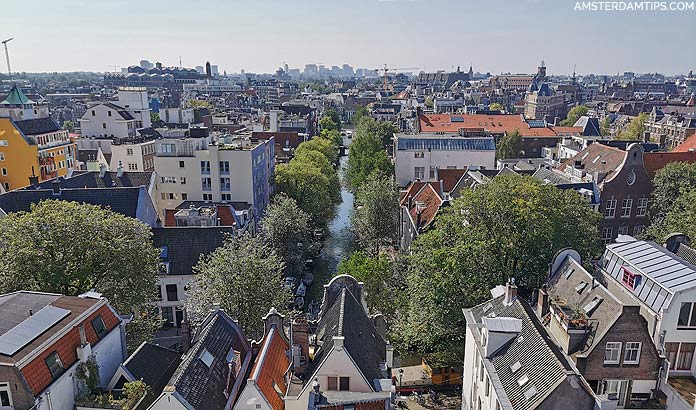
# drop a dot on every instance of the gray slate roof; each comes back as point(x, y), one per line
point(91, 179)
point(541, 360)
point(185, 245)
point(153, 364)
point(37, 126)
point(202, 386)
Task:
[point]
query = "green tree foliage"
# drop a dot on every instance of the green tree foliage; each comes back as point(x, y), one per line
point(317, 159)
point(311, 189)
point(509, 145)
point(605, 126)
point(243, 277)
point(333, 114)
point(376, 219)
point(496, 107)
point(382, 281)
point(574, 115)
point(680, 218)
point(671, 182)
point(367, 153)
point(199, 104)
point(360, 112)
point(326, 123)
point(635, 129)
point(325, 146)
point(283, 227)
point(68, 125)
point(154, 117)
point(511, 227)
point(70, 248)
point(333, 136)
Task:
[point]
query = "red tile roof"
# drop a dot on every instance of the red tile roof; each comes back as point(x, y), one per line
point(597, 158)
point(493, 123)
point(426, 201)
point(411, 191)
point(271, 364)
point(450, 177)
point(688, 145)
point(655, 161)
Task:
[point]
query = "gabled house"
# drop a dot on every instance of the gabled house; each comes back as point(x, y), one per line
point(44, 337)
point(662, 280)
point(511, 363)
point(212, 372)
point(608, 339)
point(268, 380)
point(351, 359)
point(419, 203)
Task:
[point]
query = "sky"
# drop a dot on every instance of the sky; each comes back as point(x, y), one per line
point(260, 35)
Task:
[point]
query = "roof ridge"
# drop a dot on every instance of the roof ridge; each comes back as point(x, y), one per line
point(342, 311)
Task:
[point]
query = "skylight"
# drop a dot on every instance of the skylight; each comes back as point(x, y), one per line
point(581, 286)
point(590, 307)
point(523, 380)
point(530, 393)
point(206, 357)
point(516, 366)
point(568, 273)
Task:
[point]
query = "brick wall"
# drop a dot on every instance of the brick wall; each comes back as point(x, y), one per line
point(36, 372)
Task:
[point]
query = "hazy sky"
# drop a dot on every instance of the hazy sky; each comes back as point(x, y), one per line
point(259, 35)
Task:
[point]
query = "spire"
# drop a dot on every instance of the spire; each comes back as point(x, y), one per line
point(16, 97)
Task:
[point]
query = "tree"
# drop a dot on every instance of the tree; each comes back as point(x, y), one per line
point(284, 227)
point(326, 123)
point(333, 114)
point(68, 125)
point(382, 281)
point(510, 145)
point(635, 129)
point(376, 219)
point(70, 248)
point(360, 112)
point(199, 104)
point(671, 182)
point(323, 145)
point(680, 218)
point(605, 126)
point(496, 107)
point(511, 227)
point(574, 115)
point(310, 188)
point(367, 153)
point(333, 136)
point(154, 117)
point(243, 277)
point(318, 160)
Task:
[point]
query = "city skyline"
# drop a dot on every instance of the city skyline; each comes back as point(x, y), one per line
point(495, 37)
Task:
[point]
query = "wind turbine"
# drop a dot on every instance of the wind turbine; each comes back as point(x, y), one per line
point(7, 56)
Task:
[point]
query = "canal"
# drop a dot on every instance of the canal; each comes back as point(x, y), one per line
point(338, 243)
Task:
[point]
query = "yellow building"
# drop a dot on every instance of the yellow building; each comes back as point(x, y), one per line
point(33, 147)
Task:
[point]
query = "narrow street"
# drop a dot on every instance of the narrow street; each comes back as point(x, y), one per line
point(338, 241)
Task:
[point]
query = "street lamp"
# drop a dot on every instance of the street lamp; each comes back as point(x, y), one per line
point(7, 56)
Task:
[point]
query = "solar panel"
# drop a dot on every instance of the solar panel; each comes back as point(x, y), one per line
point(30, 328)
point(536, 123)
point(456, 118)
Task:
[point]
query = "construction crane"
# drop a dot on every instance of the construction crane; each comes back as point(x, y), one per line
point(386, 69)
point(7, 56)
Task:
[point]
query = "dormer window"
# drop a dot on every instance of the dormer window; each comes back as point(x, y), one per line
point(580, 287)
point(630, 279)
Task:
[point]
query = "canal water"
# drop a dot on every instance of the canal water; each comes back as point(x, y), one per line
point(338, 242)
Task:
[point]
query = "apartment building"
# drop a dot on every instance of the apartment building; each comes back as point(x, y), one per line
point(118, 119)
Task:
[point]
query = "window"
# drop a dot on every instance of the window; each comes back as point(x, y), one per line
point(103, 125)
point(432, 172)
point(109, 112)
point(610, 208)
point(630, 279)
point(168, 315)
point(623, 230)
point(205, 167)
point(207, 197)
point(224, 167)
point(99, 327)
point(687, 316)
point(333, 383)
point(642, 207)
point(224, 184)
point(182, 180)
point(184, 196)
point(419, 172)
point(132, 166)
point(419, 155)
point(607, 233)
point(626, 205)
point(206, 357)
point(181, 164)
point(4, 172)
point(207, 184)
point(632, 353)
point(638, 230)
point(671, 350)
point(227, 197)
point(5, 396)
point(612, 353)
point(163, 195)
point(344, 383)
point(172, 195)
point(2, 156)
point(686, 355)
point(55, 366)
point(172, 295)
point(129, 151)
point(93, 113)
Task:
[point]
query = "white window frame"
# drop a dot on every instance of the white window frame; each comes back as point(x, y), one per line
point(416, 173)
point(632, 347)
point(6, 388)
point(609, 230)
point(610, 208)
point(642, 209)
point(626, 207)
point(614, 347)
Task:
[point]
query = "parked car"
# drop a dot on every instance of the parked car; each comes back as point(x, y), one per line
point(289, 283)
point(301, 290)
point(309, 263)
point(299, 303)
point(307, 278)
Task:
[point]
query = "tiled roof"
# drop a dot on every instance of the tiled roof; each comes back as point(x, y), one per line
point(688, 145)
point(493, 123)
point(450, 177)
point(270, 367)
point(16, 97)
point(540, 359)
point(38, 126)
point(427, 202)
point(153, 364)
point(411, 191)
point(204, 387)
point(655, 161)
point(185, 245)
point(597, 158)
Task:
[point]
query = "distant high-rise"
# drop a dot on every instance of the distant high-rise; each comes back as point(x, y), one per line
point(200, 69)
point(214, 70)
point(208, 71)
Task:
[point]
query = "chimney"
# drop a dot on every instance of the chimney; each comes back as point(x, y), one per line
point(56, 186)
point(410, 201)
point(390, 356)
point(418, 216)
point(543, 301)
point(185, 335)
point(442, 189)
point(299, 339)
point(316, 386)
point(273, 319)
point(510, 292)
point(119, 170)
point(102, 170)
point(33, 179)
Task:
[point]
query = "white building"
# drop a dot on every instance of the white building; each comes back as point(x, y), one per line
point(118, 119)
point(176, 115)
point(196, 169)
point(138, 155)
point(663, 282)
point(417, 157)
